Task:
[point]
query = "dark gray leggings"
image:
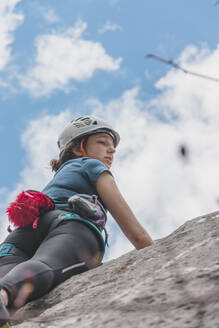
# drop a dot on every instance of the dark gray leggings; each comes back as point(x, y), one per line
point(47, 256)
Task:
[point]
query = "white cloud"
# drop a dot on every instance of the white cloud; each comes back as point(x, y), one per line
point(66, 57)
point(9, 21)
point(163, 188)
point(109, 26)
point(50, 15)
point(3, 192)
point(40, 144)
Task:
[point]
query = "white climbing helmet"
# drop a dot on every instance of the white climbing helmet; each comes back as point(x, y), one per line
point(83, 126)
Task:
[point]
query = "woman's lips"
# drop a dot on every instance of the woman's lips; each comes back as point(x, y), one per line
point(109, 160)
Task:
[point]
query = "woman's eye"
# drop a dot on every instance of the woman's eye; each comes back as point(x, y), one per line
point(102, 142)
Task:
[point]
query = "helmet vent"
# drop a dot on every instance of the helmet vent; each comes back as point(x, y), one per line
point(78, 125)
point(94, 123)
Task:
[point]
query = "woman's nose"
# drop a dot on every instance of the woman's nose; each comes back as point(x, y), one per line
point(111, 149)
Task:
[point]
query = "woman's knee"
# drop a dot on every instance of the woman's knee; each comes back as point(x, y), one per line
point(32, 278)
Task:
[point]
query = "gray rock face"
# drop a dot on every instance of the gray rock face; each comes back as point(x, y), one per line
point(172, 284)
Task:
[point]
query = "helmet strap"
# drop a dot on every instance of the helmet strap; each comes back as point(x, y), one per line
point(83, 151)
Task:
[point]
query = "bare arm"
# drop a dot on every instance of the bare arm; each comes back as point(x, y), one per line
point(118, 207)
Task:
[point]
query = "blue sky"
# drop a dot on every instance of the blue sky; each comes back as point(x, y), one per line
point(60, 59)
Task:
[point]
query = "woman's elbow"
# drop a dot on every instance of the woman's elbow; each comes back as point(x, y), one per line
point(141, 241)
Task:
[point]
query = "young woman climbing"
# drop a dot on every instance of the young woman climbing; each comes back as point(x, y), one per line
point(59, 231)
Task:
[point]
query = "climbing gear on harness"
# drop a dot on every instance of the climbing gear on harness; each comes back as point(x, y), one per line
point(66, 216)
point(4, 315)
point(85, 126)
point(28, 207)
point(88, 207)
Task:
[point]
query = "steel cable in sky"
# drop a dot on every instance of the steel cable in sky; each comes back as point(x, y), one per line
point(172, 63)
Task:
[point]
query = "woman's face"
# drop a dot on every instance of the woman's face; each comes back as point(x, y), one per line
point(100, 146)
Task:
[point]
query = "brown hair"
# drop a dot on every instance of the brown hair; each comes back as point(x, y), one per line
point(66, 154)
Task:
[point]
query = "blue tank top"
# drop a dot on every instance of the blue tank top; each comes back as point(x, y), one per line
point(76, 176)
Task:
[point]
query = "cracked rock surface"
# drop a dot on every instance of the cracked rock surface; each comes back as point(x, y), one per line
point(174, 283)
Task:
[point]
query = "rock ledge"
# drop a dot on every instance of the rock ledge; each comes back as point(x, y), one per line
point(174, 283)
